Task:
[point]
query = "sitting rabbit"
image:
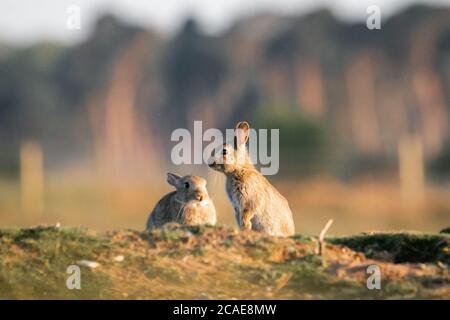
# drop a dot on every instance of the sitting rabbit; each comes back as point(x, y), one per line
point(189, 204)
point(257, 204)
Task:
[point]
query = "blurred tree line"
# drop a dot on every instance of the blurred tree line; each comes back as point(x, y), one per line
point(342, 95)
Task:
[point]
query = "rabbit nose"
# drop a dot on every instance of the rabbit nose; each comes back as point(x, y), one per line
point(199, 196)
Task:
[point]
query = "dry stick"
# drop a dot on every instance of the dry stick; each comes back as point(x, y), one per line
point(322, 235)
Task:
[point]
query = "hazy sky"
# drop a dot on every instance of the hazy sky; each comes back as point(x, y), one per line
point(26, 21)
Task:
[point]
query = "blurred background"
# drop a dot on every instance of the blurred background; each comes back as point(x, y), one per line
point(86, 114)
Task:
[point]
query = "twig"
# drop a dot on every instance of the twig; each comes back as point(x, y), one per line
point(322, 236)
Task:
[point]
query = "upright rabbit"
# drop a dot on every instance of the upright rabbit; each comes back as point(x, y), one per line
point(257, 204)
point(189, 204)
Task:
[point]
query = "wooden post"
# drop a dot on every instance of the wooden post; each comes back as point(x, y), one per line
point(31, 177)
point(411, 171)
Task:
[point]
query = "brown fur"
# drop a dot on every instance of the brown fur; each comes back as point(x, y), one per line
point(257, 204)
point(188, 206)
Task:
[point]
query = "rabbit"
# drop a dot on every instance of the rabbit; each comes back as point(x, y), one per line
point(257, 204)
point(190, 204)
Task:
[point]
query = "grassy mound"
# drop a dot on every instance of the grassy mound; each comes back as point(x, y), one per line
point(218, 263)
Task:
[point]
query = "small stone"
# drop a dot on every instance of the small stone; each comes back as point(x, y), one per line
point(119, 258)
point(88, 264)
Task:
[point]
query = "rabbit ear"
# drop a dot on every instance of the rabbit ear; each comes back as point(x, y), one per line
point(173, 179)
point(242, 130)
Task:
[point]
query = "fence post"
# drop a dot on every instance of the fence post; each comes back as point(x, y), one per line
point(31, 177)
point(411, 171)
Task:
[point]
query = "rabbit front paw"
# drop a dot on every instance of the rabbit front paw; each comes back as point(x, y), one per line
point(247, 225)
point(246, 220)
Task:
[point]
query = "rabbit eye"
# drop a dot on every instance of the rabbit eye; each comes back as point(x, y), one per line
point(224, 152)
point(186, 185)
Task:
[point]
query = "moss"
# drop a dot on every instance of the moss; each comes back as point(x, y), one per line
point(201, 229)
point(228, 243)
point(303, 238)
point(260, 249)
point(165, 234)
point(404, 247)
